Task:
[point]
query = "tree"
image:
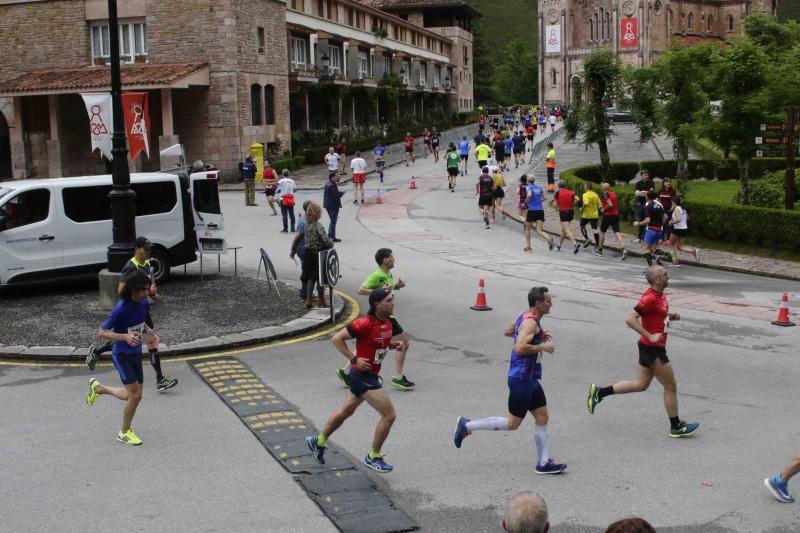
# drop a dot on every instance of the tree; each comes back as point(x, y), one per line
point(516, 78)
point(602, 77)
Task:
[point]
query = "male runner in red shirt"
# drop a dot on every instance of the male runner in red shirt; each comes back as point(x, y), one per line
point(409, 140)
point(373, 334)
point(649, 319)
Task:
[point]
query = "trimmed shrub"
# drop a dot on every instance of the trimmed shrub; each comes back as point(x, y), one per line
point(769, 190)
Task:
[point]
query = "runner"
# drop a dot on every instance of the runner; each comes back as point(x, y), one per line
point(270, 178)
point(409, 140)
point(778, 484)
point(565, 199)
point(551, 168)
point(649, 319)
point(535, 215)
point(482, 154)
point(378, 155)
point(359, 167)
point(508, 147)
point(126, 327)
point(481, 123)
point(500, 152)
point(463, 152)
point(498, 193)
point(382, 278)
point(679, 230)
point(552, 123)
point(522, 197)
point(642, 186)
point(525, 392)
point(610, 206)
point(665, 196)
point(373, 334)
point(530, 133)
point(452, 167)
point(139, 262)
point(653, 220)
point(426, 143)
point(435, 145)
point(590, 214)
point(484, 189)
point(542, 122)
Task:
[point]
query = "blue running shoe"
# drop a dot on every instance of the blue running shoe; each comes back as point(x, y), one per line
point(461, 431)
point(684, 430)
point(316, 450)
point(779, 489)
point(551, 467)
point(378, 464)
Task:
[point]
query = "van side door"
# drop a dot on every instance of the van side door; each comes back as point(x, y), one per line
point(207, 213)
point(30, 244)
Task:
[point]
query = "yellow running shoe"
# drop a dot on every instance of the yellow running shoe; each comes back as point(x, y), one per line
point(92, 395)
point(129, 438)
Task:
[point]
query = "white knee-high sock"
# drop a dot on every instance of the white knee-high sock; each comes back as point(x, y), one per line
point(542, 444)
point(492, 423)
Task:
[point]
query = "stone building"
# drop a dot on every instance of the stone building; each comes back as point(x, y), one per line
point(220, 75)
point(636, 30)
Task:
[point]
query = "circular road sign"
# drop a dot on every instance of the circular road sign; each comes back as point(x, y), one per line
point(332, 268)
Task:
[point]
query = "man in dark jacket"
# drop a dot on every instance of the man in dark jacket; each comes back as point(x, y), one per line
point(332, 202)
point(249, 176)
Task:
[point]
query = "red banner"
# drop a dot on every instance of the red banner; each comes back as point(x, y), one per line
point(137, 123)
point(629, 33)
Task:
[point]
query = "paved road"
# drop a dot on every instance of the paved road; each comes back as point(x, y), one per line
point(200, 469)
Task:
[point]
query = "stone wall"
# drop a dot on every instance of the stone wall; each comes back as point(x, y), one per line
point(463, 76)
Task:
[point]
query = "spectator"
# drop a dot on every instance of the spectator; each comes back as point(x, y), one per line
point(249, 176)
point(665, 196)
point(631, 525)
point(332, 160)
point(359, 167)
point(299, 247)
point(332, 202)
point(526, 513)
point(316, 241)
point(642, 186)
point(286, 187)
point(341, 149)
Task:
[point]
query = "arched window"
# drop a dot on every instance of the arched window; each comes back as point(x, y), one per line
point(730, 22)
point(596, 24)
point(554, 76)
point(255, 104)
point(608, 26)
point(269, 104)
point(590, 27)
point(709, 22)
point(601, 19)
point(690, 20)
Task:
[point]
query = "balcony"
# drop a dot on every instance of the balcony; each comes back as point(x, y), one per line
point(364, 82)
point(333, 78)
point(303, 74)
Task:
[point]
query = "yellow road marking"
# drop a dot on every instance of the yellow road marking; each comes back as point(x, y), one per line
point(353, 314)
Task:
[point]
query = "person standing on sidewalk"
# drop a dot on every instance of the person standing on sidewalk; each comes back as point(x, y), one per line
point(332, 202)
point(374, 337)
point(317, 240)
point(778, 484)
point(680, 228)
point(649, 319)
point(610, 205)
point(286, 187)
point(525, 391)
point(359, 167)
point(565, 199)
point(551, 168)
point(642, 186)
point(332, 160)
point(299, 247)
point(249, 176)
point(590, 215)
point(535, 215)
point(270, 186)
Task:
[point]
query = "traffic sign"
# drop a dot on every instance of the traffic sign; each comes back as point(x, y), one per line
point(328, 268)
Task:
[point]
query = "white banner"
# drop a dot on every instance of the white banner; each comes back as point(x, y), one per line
point(101, 121)
point(552, 39)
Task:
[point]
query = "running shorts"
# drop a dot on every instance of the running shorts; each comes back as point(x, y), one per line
point(452, 171)
point(361, 382)
point(485, 201)
point(566, 216)
point(500, 156)
point(359, 177)
point(409, 149)
point(524, 396)
point(517, 150)
point(591, 221)
point(269, 192)
point(530, 137)
point(652, 237)
point(610, 221)
point(499, 193)
point(482, 164)
point(680, 232)
point(380, 164)
point(533, 216)
point(522, 206)
point(129, 368)
point(648, 354)
point(464, 157)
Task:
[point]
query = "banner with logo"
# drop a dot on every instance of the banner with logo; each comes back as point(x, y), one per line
point(629, 33)
point(137, 123)
point(552, 39)
point(101, 121)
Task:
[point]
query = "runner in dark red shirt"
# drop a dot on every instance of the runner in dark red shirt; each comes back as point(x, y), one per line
point(649, 319)
point(409, 140)
point(373, 334)
point(609, 205)
point(565, 199)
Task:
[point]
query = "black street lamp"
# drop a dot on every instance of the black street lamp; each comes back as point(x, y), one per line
point(123, 207)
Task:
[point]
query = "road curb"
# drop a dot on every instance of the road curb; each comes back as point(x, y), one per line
point(314, 320)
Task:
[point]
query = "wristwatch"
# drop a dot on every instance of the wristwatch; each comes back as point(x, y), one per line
point(353, 361)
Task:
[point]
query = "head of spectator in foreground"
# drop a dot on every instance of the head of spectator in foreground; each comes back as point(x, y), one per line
point(526, 513)
point(358, 153)
point(589, 186)
point(630, 525)
point(141, 248)
point(313, 213)
point(645, 174)
point(305, 206)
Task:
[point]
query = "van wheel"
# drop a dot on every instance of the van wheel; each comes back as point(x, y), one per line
point(159, 260)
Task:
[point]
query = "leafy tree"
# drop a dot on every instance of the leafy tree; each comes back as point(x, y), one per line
point(516, 78)
point(587, 117)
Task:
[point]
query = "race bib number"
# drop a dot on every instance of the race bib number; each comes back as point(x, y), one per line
point(138, 330)
point(380, 354)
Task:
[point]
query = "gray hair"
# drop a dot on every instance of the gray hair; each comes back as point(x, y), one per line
point(285, 172)
point(198, 166)
point(526, 513)
point(531, 178)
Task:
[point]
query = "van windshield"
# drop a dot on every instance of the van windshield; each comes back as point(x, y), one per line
point(206, 197)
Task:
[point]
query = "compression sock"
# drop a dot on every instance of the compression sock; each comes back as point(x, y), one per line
point(542, 444)
point(155, 361)
point(107, 347)
point(373, 454)
point(602, 392)
point(649, 258)
point(584, 233)
point(597, 240)
point(322, 440)
point(492, 423)
point(675, 422)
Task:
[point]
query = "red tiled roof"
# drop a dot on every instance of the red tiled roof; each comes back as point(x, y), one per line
point(98, 77)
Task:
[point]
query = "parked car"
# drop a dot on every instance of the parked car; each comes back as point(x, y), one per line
point(618, 115)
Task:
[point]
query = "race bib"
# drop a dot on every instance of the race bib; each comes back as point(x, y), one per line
point(380, 354)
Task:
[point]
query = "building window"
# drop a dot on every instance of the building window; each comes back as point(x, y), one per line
point(423, 74)
point(335, 51)
point(363, 65)
point(690, 20)
point(601, 20)
point(608, 26)
point(350, 19)
point(387, 65)
point(730, 23)
point(269, 104)
point(255, 104)
point(262, 40)
point(437, 76)
point(554, 77)
point(406, 72)
point(298, 5)
point(708, 23)
point(298, 53)
point(596, 23)
point(320, 8)
point(132, 41)
point(590, 24)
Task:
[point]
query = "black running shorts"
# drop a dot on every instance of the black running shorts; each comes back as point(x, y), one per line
point(566, 215)
point(590, 221)
point(485, 201)
point(648, 354)
point(452, 171)
point(610, 221)
point(533, 216)
point(524, 396)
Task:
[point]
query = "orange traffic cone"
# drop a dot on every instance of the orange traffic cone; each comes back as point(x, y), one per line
point(783, 313)
point(413, 183)
point(378, 199)
point(480, 302)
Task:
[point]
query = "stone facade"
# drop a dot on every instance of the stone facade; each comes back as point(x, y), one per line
point(463, 71)
point(636, 30)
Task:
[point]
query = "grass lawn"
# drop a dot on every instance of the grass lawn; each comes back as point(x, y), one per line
point(718, 192)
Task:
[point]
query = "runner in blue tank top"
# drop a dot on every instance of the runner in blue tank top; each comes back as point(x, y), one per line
point(525, 392)
point(535, 215)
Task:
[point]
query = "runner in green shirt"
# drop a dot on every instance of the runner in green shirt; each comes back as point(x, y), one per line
point(382, 277)
point(453, 159)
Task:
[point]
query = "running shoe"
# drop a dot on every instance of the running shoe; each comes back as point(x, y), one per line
point(343, 377)
point(378, 464)
point(356, 201)
point(316, 450)
point(779, 488)
point(91, 359)
point(673, 265)
point(551, 243)
point(402, 383)
point(636, 241)
point(598, 253)
point(92, 395)
point(166, 383)
point(624, 254)
point(593, 399)
point(659, 262)
point(696, 254)
point(129, 438)
point(461, 431)
point(576, 248)
point(684, 430)
point(362, 200)
point(551, 467)
point(558, 247)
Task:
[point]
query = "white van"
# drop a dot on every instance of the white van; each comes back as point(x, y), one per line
point(58, 227)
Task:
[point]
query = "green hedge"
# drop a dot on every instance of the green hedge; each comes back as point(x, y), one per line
point(292, 163)
point(726, 169)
